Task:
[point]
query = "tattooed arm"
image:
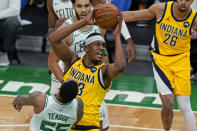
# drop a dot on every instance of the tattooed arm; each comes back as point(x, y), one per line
point(35, 99)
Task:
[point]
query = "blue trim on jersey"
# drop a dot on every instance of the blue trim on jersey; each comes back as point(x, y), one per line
point(190, 31)
point(156, 49)
point(103, 86)
point(162, 75)
point(164, 12)
point(175, 17)
point(72, 64)
point(86, 65)
point(82, 127)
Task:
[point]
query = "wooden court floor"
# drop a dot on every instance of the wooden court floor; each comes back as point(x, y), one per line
point(122, 118)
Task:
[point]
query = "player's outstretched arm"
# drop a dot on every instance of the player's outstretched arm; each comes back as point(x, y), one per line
point(112, 71)
point(146, 14)
point(60, 48)
point(29, 99)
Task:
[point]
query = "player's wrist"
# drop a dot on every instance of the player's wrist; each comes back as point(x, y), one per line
point(62, 81)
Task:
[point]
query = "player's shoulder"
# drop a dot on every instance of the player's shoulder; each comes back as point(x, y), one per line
point(159, 6)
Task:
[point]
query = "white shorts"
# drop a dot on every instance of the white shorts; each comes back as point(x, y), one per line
point(162, 88)
point(55, 85)
point(104, 115)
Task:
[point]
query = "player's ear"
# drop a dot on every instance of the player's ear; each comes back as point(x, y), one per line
point(85, 47)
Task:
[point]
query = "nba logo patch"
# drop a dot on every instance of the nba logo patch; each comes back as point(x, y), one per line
point(93, 69)
point(186, 24)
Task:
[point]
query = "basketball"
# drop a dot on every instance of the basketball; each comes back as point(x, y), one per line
point(106, 16)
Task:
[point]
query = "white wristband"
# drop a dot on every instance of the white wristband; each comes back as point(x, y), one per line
point(124, 31)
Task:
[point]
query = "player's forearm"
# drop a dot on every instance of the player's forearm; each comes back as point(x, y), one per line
point(130, 42)
point(128, 16)
point(51, 24)
point(54, 66)
point(51, 30)
point(63, 32)
point(23, 100)
point(145, 14)
point(56, 70)
point(119, 59)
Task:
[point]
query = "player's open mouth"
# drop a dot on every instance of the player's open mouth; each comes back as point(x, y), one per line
point(183, 7)
point(83, 16)
point(100, 54)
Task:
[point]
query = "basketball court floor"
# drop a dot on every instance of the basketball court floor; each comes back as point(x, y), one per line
point(133, 102)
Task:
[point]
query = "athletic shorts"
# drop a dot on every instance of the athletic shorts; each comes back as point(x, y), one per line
point(172, 73)
point(104, 115)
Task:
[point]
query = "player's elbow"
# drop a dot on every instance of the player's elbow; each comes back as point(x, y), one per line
point(120, 68)
point(51, 39)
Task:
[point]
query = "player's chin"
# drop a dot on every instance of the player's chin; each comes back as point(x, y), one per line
point(82, 17)
point(99, 58)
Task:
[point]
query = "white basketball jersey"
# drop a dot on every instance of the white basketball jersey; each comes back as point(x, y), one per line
point(79, 37)
point(63, 8)
point(55, 116)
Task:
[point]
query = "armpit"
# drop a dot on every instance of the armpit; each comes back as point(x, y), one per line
point(195, 25)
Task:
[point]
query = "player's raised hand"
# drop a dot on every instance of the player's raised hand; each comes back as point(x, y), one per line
point(131, 51)
point(117, 29)
point(17, 106)
point(90, 18)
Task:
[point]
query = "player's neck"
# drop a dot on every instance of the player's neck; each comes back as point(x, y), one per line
point(89, 63)
point(179, 14)
point(58, 98)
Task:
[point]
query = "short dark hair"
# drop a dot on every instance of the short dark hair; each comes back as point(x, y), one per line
point(93, 34)
point(68, 91)
point(73, 1)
